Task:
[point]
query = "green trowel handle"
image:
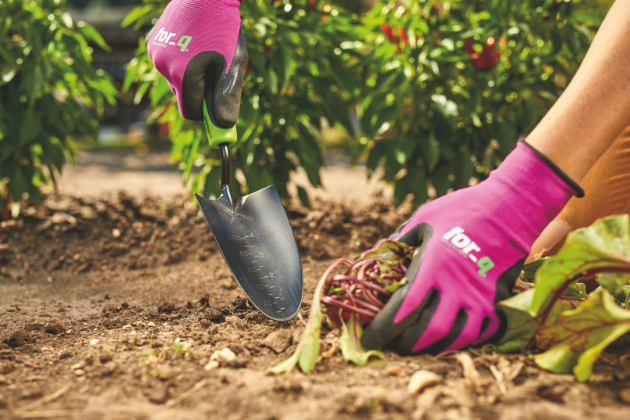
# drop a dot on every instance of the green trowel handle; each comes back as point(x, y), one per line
point(216, 135)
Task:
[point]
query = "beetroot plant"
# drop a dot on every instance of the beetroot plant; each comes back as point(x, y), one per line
point(567, 308)
point(350, 300)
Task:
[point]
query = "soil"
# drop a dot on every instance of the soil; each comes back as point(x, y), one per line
point(113, 308)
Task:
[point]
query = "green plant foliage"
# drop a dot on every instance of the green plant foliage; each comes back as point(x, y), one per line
point(439, 111)
point(389, 256)
point(578, 337)
point(295, 78)
point(401, 82)
point(558, 317)
point(307, 350)
point(46, 83)
point(350, 343)
point(600, 248)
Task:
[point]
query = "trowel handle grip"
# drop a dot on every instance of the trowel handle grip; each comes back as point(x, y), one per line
point(216, 135)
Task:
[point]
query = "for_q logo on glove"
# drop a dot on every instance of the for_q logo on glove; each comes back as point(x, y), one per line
point(466, 246)
point(163, 39)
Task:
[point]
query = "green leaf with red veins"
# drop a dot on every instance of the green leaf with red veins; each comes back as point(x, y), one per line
point(602, 247)
point(522, 325)
point(578, 337)
point(350, 343)
point(618, 284)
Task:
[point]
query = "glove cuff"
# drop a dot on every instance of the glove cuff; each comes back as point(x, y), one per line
point(525, 193)
point(579, 192)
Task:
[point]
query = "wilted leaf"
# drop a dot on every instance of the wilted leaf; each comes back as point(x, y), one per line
point(350, 343)
point(307, 350)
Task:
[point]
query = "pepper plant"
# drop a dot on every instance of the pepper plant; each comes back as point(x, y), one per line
point(46, 84)
point(454, 84)
point(295, 77)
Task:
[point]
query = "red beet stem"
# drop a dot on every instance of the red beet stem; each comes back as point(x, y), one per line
point(336, 302)
point(371, 297)
point(367, 305)
point(341, 278)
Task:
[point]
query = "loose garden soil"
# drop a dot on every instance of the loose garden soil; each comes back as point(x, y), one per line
point(112, 308)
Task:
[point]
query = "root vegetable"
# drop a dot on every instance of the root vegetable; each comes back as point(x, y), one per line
point(351, 300)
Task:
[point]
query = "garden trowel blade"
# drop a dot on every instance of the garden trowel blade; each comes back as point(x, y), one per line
point(255, 237)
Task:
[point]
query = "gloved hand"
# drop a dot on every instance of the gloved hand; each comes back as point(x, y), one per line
point(198, 46)
point(472, 246)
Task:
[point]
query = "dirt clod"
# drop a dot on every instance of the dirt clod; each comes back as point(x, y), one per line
point(6, 367)
point(54, 327)
point(239, 303)
point(215, 315)
point(159, 394)
point(624, 395)
point(17, 338)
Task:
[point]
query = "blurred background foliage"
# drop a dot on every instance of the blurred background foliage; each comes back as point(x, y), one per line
point(435, 93)
point(429, 94)
point(452, 85)
point(294, 83)
point(46, 83)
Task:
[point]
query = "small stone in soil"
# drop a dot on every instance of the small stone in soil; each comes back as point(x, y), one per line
point(54, 327)
point(394, 371)
point(278, 341)
point(211, 365)
point(624, 395)
point(422, 379)
point(65, 355)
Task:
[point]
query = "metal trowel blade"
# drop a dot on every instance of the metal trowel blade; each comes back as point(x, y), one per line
point(257, 242)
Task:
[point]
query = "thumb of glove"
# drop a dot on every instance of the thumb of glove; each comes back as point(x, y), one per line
point(223, 89)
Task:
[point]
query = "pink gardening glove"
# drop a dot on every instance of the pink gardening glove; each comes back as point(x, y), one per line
point(472, 246)
point(199, 47)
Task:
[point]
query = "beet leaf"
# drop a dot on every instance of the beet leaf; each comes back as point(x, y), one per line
point(578, 337)
point(350, 343)
point(604, 247)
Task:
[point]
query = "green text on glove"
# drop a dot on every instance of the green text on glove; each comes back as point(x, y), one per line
point(163, 39)
point(466, 246)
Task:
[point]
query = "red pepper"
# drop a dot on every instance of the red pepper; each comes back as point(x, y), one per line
point(389, 32)
point(403, 36)
point(311, 5)
point(486, 59)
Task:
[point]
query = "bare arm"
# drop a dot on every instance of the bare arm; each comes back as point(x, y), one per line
point(595, 107)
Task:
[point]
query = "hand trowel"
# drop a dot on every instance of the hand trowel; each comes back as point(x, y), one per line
point(255, 237)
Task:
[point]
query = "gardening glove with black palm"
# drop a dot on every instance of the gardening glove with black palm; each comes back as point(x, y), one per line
point(472, 244)
point(198, 46)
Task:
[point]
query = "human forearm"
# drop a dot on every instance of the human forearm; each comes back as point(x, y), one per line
point(595, 107)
